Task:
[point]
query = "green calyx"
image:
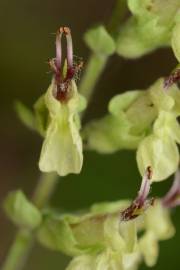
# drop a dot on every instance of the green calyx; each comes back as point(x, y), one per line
point(21, 211)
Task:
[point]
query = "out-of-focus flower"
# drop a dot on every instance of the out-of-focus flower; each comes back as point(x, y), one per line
point(105, 236)
point(153, 24)
point(146, 120)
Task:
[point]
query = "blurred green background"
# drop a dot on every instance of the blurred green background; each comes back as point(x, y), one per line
point(27, 41)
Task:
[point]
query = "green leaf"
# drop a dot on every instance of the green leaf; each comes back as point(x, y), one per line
point(21, 211)
point(25, 115)
point(100, 41)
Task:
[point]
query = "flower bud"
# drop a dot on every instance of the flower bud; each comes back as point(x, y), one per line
point(100, 41)
point(21, 211)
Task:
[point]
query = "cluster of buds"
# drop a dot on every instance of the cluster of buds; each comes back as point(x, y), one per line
point(172, 198)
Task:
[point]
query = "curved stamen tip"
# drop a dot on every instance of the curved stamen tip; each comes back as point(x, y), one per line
point(63, 74)
point(149, 172)
point(67, 30)
point(141, 203)
point(172, 198)
point(64, 30)
point(174, 77)
point(145, 186)
point(61, 30)
point(58, 49)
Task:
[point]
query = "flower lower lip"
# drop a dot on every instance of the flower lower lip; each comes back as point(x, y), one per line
point(172, 198)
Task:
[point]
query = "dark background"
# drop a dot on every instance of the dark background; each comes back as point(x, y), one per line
point(26, 42)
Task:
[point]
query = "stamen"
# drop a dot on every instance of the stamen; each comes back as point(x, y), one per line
point(62, 74)
point(141, 203)
point(58, 49)
point(145, 186)
point(67, 32)
point(172, 198)
point(174, 77)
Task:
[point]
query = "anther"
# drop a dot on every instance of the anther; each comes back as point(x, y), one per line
point(141, 203)
point(174, 77)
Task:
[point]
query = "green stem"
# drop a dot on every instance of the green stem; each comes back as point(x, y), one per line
point(92, 73)
point(119, 12)
point(24, 240)
point(19, 251)
point(44, 189)
point(97, 63)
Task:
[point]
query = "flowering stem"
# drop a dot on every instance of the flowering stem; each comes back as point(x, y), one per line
point(44, 189)
point(19, 251)
point(24, 240)
point(95, 67)
point(97, 63)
